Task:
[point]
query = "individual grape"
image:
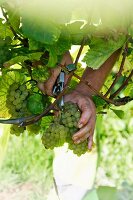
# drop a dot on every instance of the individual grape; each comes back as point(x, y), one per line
point(14, 86)
point(22, 97)
point(12, 93)
point(22, 88)
point(11, 98)
point(15, 102)
point(16, 130)
point(18, 106)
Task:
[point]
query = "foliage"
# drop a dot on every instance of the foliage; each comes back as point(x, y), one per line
point(115, 137)
point(31, 43)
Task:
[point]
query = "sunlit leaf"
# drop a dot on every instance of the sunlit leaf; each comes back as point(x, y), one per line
point(101, 50)
point(107, 193)
point(119, 113)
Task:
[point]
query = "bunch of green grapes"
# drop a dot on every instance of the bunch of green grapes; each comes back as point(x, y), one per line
point(16, 130)
point(54, 136)
point(17, 104)
point(16, 99)
point(40, 73)
point(62, 130)
point(70, 117)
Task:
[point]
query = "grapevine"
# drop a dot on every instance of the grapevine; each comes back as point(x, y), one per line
point(27, 54)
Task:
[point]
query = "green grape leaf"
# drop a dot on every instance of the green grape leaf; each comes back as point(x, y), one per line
point(101, 49)
point(98, 101)
point(2, 1)
point(46, 121)
point(5, 29)
point(91, 195)
point(6, 80)
point(77, 32)
point(58, 49)
point(52, 58)
point(129, 90)
point(63, 44)
point(35, 104)
point(42, 31)
point(34, 45)
point(119, 113)
point(20, 59)
point(107, 193)
point(14, 19)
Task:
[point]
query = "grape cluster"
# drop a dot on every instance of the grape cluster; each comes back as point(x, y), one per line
point(63, 129)
point(16, 99)
point(54, 136)
point(70, 117)
point(17, 104)
point(16, 130)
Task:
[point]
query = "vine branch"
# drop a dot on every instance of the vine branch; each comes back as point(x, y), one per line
point(118, 75)
point(122, 86)
point(47, 110)
point(80, 51)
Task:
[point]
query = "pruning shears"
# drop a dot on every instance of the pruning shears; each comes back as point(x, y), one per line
point(60, 83)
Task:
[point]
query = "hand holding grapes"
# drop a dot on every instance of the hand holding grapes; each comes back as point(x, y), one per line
point(82, 95)
point(86, 123)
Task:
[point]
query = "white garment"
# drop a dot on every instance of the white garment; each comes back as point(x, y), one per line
point(74, 175)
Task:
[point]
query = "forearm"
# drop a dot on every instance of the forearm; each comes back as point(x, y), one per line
point(97, 77)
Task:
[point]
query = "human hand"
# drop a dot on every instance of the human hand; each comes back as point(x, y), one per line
point(47, 86)
point(86, 123)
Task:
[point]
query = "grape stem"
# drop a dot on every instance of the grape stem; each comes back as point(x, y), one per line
point(119, 74)
point(110, 101)
point(122, 86)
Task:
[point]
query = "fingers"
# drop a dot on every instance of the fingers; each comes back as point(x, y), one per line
point(90, 142)
point(85, 117)
point(83, 132)
point(86, 132)
point(81, 136)
point(47, 86)
point(87, 110)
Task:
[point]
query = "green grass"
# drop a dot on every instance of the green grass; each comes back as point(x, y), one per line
point(27, 162)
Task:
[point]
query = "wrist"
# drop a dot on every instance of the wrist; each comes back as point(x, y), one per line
point(84, 90)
